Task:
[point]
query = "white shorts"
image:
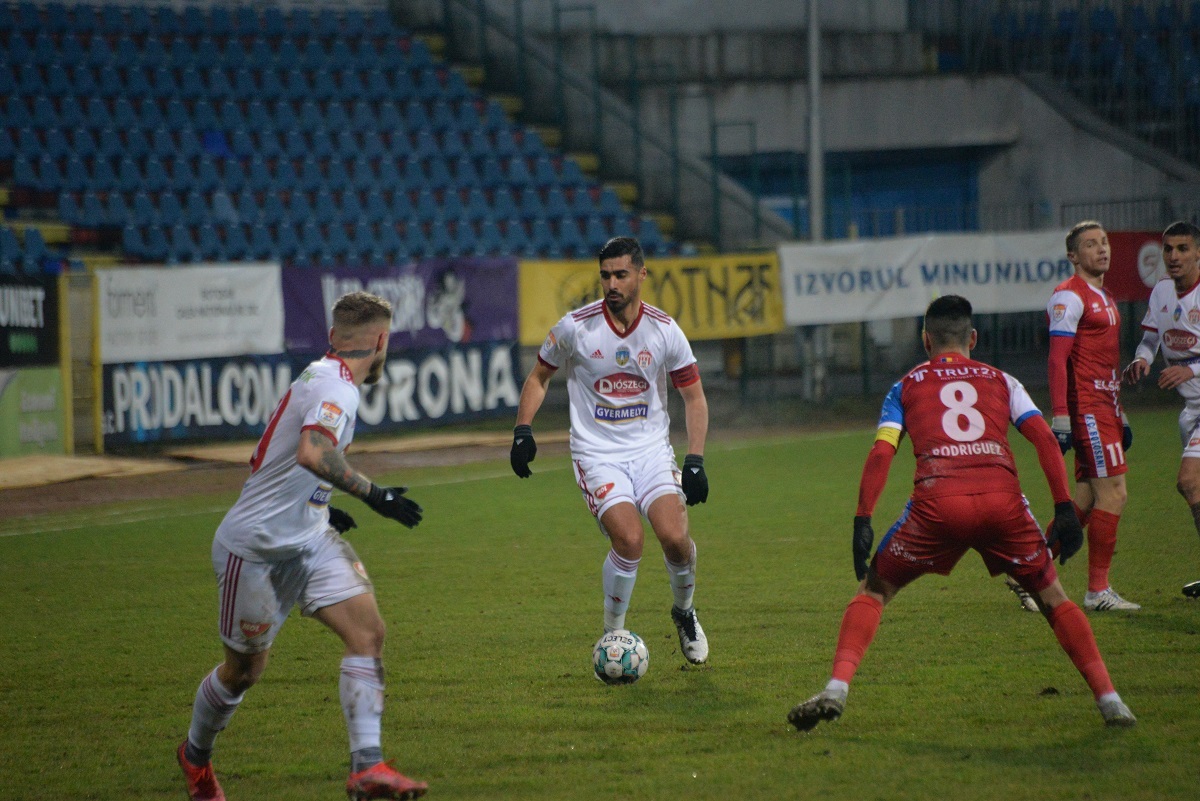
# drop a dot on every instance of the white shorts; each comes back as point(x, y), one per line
point(256, 597)
point(639, 481)
point(1189, 430)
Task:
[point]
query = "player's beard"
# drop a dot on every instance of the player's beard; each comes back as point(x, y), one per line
point(376, 371)
point(616, 302)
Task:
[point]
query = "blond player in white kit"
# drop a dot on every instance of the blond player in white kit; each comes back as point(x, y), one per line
point(1172, 325)
point(280, 545)
point(619, 353)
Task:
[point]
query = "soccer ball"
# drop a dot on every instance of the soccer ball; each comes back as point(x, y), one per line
point(620, 657)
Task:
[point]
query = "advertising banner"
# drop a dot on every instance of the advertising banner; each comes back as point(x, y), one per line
point(167, 314)
point(233, 397)
point(880, 279)
point(1135, 264)
point(28, 321)
point(711, 297)
point(31, 411)
point(435, 303)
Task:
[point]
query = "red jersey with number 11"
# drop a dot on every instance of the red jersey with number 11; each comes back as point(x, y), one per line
point(957, 411)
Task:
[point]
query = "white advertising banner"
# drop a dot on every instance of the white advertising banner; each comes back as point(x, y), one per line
point(201, 311)
point(880, 279)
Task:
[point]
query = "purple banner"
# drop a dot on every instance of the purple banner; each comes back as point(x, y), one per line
point(436, 302)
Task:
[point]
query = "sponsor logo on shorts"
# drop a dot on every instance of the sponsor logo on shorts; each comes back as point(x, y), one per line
point(600, 492)
point(622, 356)
point(1177, 339)
point(621, 414)
point(986, 448)
point(360, 570)
point(621, 385)
point(321, 496)
point(1060, 311)
point(330, 414)
point(644, 358)
point(250, 629)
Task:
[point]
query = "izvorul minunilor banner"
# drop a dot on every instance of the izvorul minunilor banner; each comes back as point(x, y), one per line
point(881, 279)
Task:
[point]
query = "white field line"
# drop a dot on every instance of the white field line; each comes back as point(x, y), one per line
point(53, 524)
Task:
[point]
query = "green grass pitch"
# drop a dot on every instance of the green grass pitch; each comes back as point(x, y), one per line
point(493, 605)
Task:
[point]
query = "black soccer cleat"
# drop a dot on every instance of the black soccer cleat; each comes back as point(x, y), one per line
point(1192, 590)
point(825, 705)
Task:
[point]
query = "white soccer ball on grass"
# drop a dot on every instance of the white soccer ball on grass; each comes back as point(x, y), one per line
point(620, 657)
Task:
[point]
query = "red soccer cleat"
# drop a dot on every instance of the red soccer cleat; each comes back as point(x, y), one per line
point(202, 782)
point(383, 781)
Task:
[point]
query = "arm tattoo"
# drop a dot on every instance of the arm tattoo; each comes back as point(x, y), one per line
point(334, 468)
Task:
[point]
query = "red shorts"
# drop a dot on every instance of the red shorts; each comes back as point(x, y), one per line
point(933, 534)
point(1098, 451)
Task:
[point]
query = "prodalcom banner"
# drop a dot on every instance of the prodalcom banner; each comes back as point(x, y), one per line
point(233, 397)
point(711, 297)
point(880, 279)
point(202, 311)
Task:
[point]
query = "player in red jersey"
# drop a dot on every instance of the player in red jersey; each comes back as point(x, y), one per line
point(965, 495)
point(1085, 403)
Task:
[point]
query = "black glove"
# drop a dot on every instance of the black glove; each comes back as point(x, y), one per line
point(1066, 531)
point(864, 538)
point(390, 502)
point(1126, 434)
point(1061, 426)
point(340, 521)
point(695, 482)
point(524, 451)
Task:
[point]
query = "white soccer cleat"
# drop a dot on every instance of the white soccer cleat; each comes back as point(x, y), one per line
point(1107, 600)
point(692, 641)
point(1027, 601)
point(1116, 714)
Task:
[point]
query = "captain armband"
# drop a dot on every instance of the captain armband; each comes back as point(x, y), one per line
point(889, 435)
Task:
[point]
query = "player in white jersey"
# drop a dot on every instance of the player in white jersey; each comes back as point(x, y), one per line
point(1172, 325)
point(619, 354)
point(281, 545)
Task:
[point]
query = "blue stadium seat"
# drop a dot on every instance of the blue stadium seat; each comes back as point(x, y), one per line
point(299, 207)
point(582, 204)
point(45, 115)
point(154, 175)
point(241, 143)
point(609, 205)
point(195, 208)
point(169, 209)
point(267, 142)
point(477, 207)
point(69, 210)
point(489, 241)
point(401, 205)
point(75, 175)
point(441, 116)
point(103, 175)
point(56, 143)
point(92, 211)
point(541, 238)
point(337, 242)
point(426, 207)
point(516, 172)
point(529, 203)
point(310, 178)
point(390, 117)
point(415, 115)
point(389, 242)
point(451, 206)
point(516, 240)
point(375, 207)
point(117, 211)
point(595, 233)
point(157, 246)
point(465, 243)
point(570, 238)
point(217, 80)
point(438, 171)
point(261, 246)
point(209, 246)
point(491, 174)
point(71, 113)
point(440, 241)
point(320, 145)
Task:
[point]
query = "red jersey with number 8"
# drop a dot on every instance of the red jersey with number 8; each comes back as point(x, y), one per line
point(957, 411)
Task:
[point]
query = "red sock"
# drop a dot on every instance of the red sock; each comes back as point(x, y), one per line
point(859, 625)
point(1074, 634)
point(1102, 541)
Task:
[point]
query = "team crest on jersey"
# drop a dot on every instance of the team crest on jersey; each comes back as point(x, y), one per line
point(600, 492)
point(360, 570)
point(1177, 314)
point(1059, 312)
point(330, 414)
point(622, 357)
point(551, 341)
point(1194, 316)
point(250, 629)
point(644, 358)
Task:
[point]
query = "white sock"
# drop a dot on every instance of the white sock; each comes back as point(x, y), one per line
point(1108, 697)
point(683, 580)
point(213, 708)
point(361, 691)
point(837, 686)
point(620, 574)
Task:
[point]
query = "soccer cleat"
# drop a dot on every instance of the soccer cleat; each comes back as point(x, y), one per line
point(1192, 590)
point(1027, 601)
point(1116, 714)
point(201, 781)
point(383, 781)
point(1107, 600)
point(825, 705)
point(692, 641)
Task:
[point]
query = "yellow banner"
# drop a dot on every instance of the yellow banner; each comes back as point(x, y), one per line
point(711, 297)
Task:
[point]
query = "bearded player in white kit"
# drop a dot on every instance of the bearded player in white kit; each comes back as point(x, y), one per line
point(280, 545)
point(619, 354)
